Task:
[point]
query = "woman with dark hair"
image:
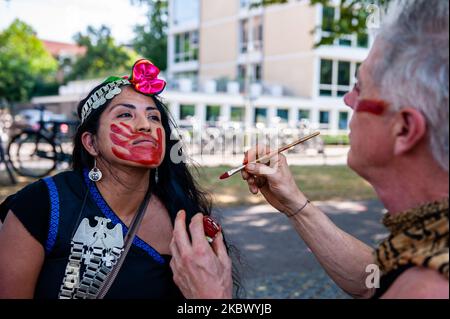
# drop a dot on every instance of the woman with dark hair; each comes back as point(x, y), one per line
point(67, 236)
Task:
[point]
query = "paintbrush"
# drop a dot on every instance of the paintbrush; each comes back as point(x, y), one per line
point(268, 156)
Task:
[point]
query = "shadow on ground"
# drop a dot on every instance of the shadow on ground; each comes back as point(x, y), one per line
point(276, 263)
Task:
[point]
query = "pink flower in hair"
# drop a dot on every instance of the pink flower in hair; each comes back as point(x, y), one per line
point(144, 78)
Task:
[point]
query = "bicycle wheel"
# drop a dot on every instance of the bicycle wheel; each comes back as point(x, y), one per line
point(32, 154)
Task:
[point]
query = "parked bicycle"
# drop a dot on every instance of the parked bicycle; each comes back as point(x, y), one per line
point(4, 160)
point(36, 152)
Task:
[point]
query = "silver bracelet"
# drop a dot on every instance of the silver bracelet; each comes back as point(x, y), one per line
point(301, 208)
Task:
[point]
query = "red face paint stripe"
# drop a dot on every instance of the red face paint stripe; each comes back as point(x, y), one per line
point(118, 130)
point(132, 136)
point(145, 154)
point(159, 134)
point(369, 106)
point(130, 129)
point(117, 141)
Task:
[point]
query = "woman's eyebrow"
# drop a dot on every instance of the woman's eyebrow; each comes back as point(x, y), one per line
point(130, 106)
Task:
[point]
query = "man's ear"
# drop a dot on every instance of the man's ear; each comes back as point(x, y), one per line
point(410, 128)
point(88, 142)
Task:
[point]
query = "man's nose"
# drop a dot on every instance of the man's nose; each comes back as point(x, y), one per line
point(350, 99)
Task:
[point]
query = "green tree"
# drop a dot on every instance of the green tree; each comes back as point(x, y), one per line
point(353, 17)
point(103, 57)
point(151, 38)
point(24, 62)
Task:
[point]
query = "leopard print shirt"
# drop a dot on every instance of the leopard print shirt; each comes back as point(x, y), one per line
point(419, 237)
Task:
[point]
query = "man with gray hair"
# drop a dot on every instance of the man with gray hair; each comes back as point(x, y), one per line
point(399, 144)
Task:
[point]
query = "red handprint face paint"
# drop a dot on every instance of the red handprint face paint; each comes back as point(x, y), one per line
point(371, 106)
point(136, 147)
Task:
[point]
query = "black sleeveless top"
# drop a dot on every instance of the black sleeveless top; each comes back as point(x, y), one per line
point(71, 197)
point(388, 279)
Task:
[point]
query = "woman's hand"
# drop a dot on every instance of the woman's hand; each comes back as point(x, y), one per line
point(200, 270)
point(274, 180)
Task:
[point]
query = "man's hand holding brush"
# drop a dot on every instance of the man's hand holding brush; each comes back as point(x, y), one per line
point(274, 180)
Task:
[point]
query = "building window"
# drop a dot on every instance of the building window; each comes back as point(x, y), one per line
point(185, 11)
point(252, 71)
point(336, 77)
point(345, 41)
point(326, 77)
point(324, 119)
point(257, 72)
point(247, 3)
point(212, 113)
point(251, 35)
point(303, 115)
point(330, 16)
point(260, 115)
point(186, 47)
point(242, 73)
point(326, 72)
point(343, 78)
point(257, 33)
point(343, 120)
point(237, 114)
point(186, 111)
point(283, 114)
point(362, 40)
point(243, 26)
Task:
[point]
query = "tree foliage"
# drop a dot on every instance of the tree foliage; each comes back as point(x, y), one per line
point(353, 16)
point(24, 62)
point(103, 56)
point(151, 38)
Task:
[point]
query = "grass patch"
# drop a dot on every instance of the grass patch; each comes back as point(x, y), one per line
point(317, 182)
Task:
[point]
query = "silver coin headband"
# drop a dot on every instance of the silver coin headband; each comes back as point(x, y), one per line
point(101, 96)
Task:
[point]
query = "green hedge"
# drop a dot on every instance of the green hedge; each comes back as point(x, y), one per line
point(335, 139)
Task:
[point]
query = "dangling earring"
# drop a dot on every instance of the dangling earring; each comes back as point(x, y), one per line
point(95, 174)
point(156, 176)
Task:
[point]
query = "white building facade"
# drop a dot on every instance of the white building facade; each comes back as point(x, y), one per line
point(228, 62)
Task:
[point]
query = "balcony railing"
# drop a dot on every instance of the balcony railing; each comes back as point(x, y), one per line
point(251, 89)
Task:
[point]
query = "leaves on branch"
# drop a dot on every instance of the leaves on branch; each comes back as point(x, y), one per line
point(24, 62)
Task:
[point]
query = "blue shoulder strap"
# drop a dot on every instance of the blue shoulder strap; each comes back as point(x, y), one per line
point(54, 214)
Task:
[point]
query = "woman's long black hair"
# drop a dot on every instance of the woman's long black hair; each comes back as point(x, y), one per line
point(176, 187)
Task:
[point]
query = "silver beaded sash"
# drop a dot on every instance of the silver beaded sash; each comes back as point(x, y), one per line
point(96, 250)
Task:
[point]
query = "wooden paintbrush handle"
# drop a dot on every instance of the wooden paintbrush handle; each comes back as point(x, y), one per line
point(286, 147)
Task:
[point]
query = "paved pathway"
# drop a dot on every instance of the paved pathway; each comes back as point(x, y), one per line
point(275, 261)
